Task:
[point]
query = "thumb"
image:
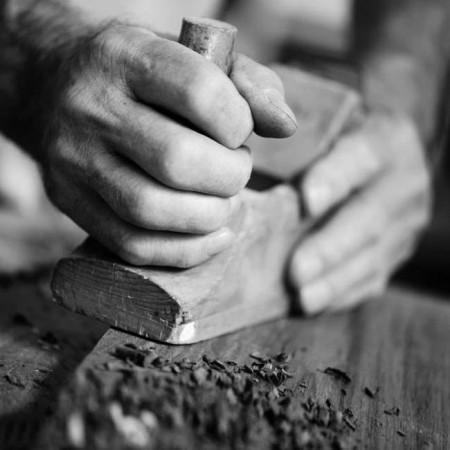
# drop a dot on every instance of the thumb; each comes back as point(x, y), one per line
point(263, 90)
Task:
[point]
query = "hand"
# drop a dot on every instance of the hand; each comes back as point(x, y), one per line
point(370, 198)
point(145, 149)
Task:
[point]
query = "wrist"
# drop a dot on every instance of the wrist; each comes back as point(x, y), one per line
point(397, 82)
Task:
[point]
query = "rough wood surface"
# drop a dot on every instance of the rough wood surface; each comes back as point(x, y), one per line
point(40, 347)
point(244, 285)
point(398, 344)
point(240, 287)
point(212, 39)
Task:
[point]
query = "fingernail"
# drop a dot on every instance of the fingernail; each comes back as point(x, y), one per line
point(318, 198)
point(219, 241)
point(278, 102)
point(314, 298)
point(306, 267)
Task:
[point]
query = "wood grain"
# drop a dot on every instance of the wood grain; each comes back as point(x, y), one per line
point(210, 38)
point(38, 356)
point(398, 343)
point(244, 285)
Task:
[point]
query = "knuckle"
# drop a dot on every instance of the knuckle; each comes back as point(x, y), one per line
point(84, 106)
point(134, 203)
point(117, 47)
point(97, 165)
point(174, 162)
point(105, 43)
point(318, 175)
point(233, 178)
point(73, 100)
point(240, 177)
point(59, 153)
point(202, 90)
point(99, 168)
point(327, 253)
point(241, 130)
point(210, 95)
point(62, 157)
point(130, 249)
point(143, 64)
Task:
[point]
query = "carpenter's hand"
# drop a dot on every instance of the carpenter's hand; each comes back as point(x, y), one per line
point(146, 148)
point(371, 197)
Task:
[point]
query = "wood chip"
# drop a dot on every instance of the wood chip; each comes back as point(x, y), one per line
point(338, 374)
point(394, 411)
point(371, 393)
point(204, 404)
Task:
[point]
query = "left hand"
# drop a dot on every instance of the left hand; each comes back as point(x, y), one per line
point(370, 198)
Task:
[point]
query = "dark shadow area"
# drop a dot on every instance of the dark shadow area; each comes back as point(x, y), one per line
point(41, 345)
point(430, 266)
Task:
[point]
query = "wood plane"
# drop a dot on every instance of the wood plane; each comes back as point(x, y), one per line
point(246, 284)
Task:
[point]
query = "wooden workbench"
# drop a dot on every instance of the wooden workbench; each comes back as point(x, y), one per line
point(399, 343)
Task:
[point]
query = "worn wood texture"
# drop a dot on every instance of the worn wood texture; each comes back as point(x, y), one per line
point(244, 285)
point(40, 347)
point(210, 38)
point(240, 287)
point(398, 343)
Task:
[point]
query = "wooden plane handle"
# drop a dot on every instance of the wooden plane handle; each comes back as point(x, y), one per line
point(210, 38)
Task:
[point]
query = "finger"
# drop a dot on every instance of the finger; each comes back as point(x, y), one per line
point(360, 222)
point(142, 201)
point(180, 157)
point(351, 164)
point(264, 92)
point(136, 245)
point(358, 294)
point(318, 295)
point(175, 78)
point(394, 249)
point(364, 273)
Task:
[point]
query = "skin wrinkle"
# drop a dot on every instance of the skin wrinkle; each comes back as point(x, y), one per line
point(60, 55)
point(399, 252)
point(399, 213)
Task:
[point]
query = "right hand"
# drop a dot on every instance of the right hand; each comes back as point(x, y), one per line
point(144, 145)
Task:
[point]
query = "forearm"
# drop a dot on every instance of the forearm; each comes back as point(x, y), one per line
point(404, 69)
point(36, 37)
